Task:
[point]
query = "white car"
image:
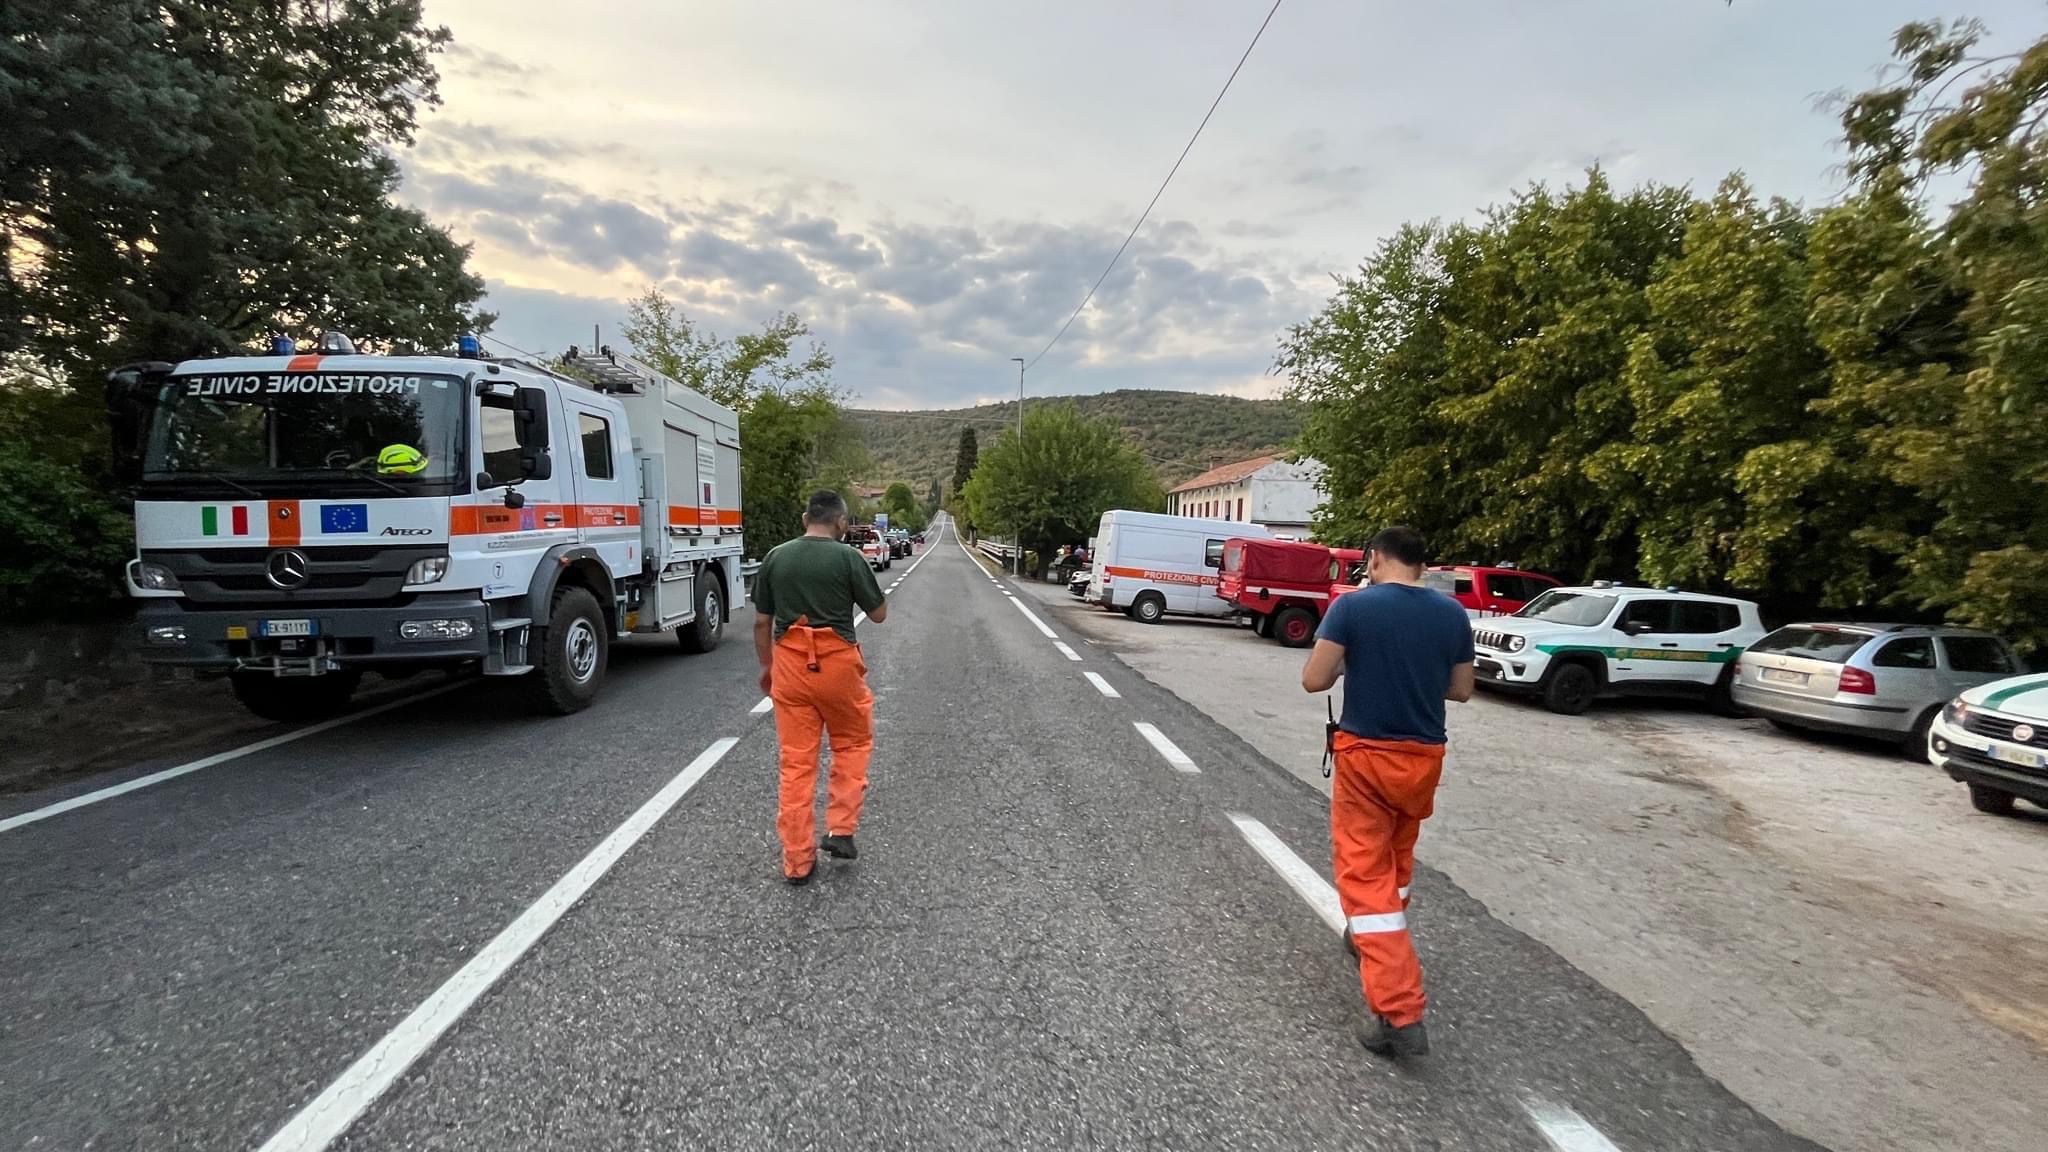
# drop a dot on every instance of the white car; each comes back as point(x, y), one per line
point(1571, 646)
point(1994, 738)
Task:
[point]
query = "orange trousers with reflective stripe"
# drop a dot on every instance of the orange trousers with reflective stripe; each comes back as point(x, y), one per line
point(1380, 793)
point(819, 685)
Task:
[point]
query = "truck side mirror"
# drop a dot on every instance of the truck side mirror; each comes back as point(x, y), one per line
point(536, 463)
point(530, 418)
point(130, 398)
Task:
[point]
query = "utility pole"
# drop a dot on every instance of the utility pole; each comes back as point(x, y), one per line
point(1017, 547)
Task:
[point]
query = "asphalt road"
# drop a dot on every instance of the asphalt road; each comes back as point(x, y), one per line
point(1053, 937)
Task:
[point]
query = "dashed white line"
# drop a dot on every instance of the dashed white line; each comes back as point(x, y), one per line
point(1305, 881)
point(1069, 653)
point(141, 782)
point(1166, 748)
point(1564, 1129)
point(1035, 621)
point(767, 704)
point(1104, 687)
point(321, 1122)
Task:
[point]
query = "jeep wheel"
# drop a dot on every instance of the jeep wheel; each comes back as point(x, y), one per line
point(1148, 608)
point(1294, 627)
point(569, 655)
point(1990, 800)
point(704, 633)
point(1569, 690)
point(294, 699)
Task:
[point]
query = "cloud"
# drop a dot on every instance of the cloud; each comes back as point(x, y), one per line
point(536, 216)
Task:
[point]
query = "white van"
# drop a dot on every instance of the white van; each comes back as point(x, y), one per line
point(1150, 565)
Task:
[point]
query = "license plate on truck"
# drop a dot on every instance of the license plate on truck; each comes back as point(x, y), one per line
point(288, 628)
point(2018, 756)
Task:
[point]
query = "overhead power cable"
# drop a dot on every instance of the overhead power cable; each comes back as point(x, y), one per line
point(1162, 188)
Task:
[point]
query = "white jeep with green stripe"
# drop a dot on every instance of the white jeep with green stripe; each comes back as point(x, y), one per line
point(1994, 738)
point(1571, 646)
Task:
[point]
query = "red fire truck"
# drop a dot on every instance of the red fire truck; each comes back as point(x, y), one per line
point(1283, 585)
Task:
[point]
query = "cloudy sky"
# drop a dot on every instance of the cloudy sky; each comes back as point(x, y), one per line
point(933, 184)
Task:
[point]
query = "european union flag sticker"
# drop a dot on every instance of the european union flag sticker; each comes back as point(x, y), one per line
point(340, 518)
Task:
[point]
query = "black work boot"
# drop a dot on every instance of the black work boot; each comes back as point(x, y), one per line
point(1383, 1039)
point(839, 847)
point(801, 880)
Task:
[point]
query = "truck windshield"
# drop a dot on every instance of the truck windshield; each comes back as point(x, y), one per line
point(297, 433)
point(1579, 609)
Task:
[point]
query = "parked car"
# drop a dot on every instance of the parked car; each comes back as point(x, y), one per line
point(1571, 646)
point(1501, 590)
point(899, 543)
point(1882, 680)
point(873, 548)
point(1994, 738)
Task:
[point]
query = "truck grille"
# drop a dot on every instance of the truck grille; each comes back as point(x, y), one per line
point(1488, 638)
point(2000, 728)
point(346, 574)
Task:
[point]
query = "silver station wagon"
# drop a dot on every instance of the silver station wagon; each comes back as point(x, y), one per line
point(1886, 681)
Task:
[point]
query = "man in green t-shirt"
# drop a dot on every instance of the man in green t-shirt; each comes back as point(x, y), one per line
point(805, 598)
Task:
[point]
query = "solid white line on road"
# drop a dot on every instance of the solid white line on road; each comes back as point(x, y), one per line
point(324, 1120)
point(140, 782)
point(1166, 748)
point(1033, 617)
point(1305, 881)
point(1103, 686)
point(767, 704)
point(1069, 653)
point(1564, 1129)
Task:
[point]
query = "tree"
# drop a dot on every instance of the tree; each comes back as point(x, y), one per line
point(901, 505)
point(964, 461)
point(934, 500)
point(1052, 486)
point(180, 178)
point(733, 371)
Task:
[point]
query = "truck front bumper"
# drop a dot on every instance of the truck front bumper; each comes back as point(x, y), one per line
point(446, 628)
point(1970, 758)
point(1508, 671)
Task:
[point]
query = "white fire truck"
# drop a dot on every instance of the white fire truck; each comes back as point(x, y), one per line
point(302, 519)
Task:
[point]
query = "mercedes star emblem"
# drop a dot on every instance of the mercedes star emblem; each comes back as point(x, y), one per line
point(288, 568)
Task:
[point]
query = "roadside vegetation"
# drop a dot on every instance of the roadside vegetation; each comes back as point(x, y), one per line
point(1052, 486)
point(1838, 408)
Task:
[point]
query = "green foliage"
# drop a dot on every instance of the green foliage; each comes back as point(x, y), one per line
point(63, 536)
point(733, 371)
point(964, 460)
point(1052, 487)
point(1180, 433)
point(903, 509)
point(1843, 409)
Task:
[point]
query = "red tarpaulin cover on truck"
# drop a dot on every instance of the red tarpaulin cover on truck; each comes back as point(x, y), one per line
point(1285, 562)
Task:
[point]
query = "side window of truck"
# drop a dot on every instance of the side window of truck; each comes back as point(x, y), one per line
point(596, 434)
point(1213, 554)
point(501, 440)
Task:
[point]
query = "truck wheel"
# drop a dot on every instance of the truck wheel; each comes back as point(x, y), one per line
point(704, 633)
point(568, 655)
point(1569, 689)
point(1990, 800)
point(1148, 608)
point(1294, 627)
point(294, 699)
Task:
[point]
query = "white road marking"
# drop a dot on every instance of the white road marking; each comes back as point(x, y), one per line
point(1033, 617)
point(141, 782)
point(1305, 881)
point(321, 1122)
point(767, 704)
point(1103, 687)
point(1069, 653)
point(1166, 748)
point(1564, 1129)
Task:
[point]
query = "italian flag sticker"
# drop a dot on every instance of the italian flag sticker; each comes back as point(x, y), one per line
point(237, 520)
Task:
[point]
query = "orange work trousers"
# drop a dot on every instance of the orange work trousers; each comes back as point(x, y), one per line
point(1380, 793)
point(820, 684)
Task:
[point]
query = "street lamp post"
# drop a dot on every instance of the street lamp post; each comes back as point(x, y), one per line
point(1017, 546)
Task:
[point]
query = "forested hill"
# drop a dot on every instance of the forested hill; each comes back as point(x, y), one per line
point(1182, 433)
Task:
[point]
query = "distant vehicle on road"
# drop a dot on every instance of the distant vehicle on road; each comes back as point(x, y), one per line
point(1994, 738)
point(873, 548)
point(1501, 590)
point(1149, 565)
point(1882, 680)
point(1285, 586)
point(899, 543)
point(1571, 646)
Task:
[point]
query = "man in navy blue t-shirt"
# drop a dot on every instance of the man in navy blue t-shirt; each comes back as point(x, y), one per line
point(1403, 649)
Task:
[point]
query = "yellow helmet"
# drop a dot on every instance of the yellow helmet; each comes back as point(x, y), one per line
point(401, 460)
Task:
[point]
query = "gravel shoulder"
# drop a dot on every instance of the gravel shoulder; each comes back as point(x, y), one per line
point(1828, 928)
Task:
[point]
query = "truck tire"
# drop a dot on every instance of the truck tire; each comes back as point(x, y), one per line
point(1148, 608)
point(1990, 800)
point(1262, 625)
point(568, 654)
point(1569, 689)
point(704, 633)
point(294, 699)
point(1294, 627)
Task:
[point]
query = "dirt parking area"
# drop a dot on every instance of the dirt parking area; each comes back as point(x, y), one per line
point(1829, 927)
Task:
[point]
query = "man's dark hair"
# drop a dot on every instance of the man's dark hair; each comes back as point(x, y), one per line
point(825, 507)
point(1400, 544)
